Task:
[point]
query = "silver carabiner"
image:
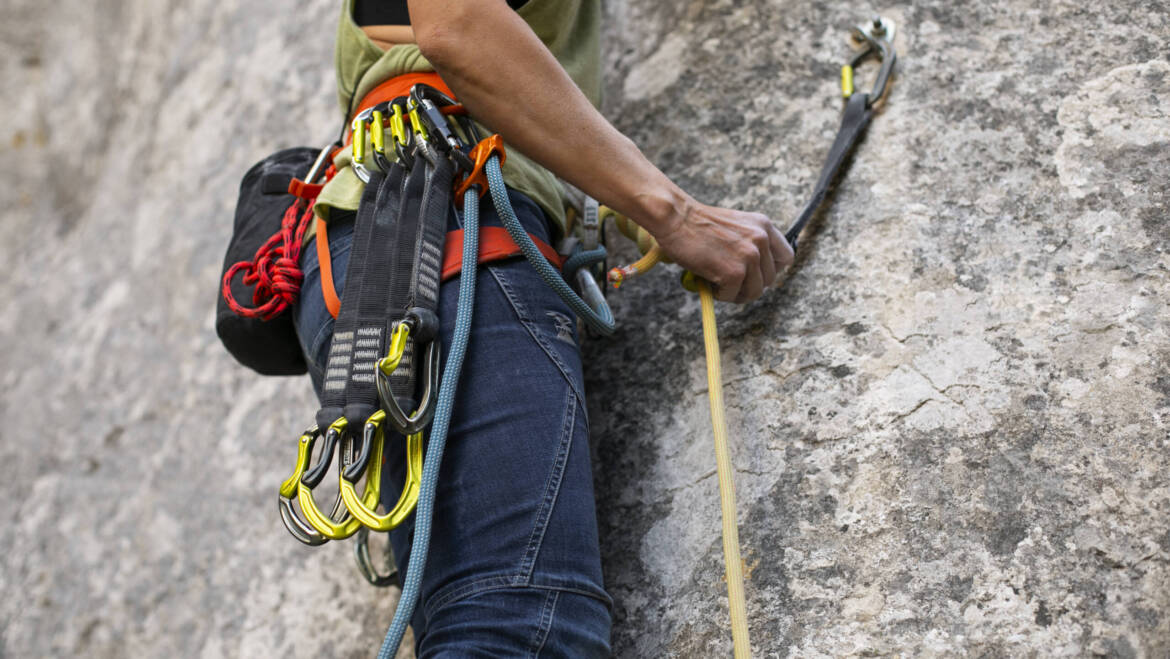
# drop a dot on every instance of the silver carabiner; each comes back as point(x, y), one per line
point(408, 424)
point(875, 37)
point(361, 554)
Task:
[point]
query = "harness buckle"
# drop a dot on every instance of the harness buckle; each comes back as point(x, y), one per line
point(874, 37)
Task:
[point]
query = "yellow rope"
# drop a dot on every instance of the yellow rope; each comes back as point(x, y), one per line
point(731, 556)
point(650, 259)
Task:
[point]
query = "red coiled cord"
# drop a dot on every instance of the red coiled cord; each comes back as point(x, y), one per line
point(275, 271)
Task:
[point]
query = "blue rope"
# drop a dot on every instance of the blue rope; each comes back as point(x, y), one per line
point(580, 259)
point(600, 320)
point(424, 513)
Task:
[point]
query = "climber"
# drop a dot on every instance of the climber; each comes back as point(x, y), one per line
point(514, 563)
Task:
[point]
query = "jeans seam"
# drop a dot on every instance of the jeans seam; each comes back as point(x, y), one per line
point(544, 625)
point(525, 319)
point(501, 582)
point(315, 345)
point(552, 488)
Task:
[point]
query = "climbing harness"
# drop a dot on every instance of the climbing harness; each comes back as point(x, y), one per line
point(419, 155)
point(875, 39)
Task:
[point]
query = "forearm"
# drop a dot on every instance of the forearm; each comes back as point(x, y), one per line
point(508, 80)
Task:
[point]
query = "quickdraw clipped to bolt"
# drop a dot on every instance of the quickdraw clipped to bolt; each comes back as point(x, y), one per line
point(876, 38)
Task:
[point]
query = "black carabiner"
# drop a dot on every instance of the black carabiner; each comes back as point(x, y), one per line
point(428, 101)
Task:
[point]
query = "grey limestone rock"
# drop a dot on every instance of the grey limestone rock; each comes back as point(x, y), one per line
point(950, 424)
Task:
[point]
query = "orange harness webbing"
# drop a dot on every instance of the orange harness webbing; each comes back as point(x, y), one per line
point(494, 242)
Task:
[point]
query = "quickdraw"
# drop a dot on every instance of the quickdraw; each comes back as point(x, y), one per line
point(875, 39)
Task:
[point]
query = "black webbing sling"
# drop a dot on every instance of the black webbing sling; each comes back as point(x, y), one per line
point(859, 109)
point(853, 123)
point(392, 276)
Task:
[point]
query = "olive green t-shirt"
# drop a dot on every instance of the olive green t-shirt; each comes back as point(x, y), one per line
point(569, 28)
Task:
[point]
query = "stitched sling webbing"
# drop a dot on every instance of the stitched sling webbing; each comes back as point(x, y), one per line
point(394, 268)
point(854, 120)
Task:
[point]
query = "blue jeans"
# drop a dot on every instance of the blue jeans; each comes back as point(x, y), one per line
point(514, 566)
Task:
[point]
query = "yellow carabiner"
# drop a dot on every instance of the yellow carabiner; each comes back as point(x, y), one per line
point(378, 132)
point(398, 125)
point(847, 81)
point(407, 501)
point(299, 528)
point(416, 123)
point(397, 348)
point(326, 526)
point(357, 133)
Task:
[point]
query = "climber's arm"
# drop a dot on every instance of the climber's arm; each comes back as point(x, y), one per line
point(512, 83)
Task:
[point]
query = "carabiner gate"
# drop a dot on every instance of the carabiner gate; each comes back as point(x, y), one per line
point(374, 435)
point(326, 526)
point(408, 424)
point(301, 529)
point(875, 38)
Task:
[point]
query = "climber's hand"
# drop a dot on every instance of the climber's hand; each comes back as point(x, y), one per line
point(739, 252)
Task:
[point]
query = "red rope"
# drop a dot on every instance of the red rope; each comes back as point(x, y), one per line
point(275, 271)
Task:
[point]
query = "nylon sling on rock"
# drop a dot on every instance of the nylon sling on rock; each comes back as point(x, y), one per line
point(854, 120)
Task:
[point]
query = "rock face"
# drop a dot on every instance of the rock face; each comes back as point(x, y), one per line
point(951, 424)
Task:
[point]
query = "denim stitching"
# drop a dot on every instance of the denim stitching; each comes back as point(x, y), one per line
point(552, 488)
point(525, 320)
point(456, 592)
point(544, 626)
point(323, 334)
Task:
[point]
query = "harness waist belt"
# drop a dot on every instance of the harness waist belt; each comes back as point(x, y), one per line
point(399, 86)
point(494, 245)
